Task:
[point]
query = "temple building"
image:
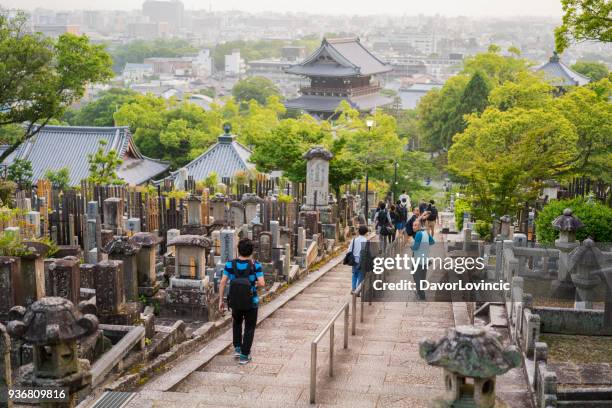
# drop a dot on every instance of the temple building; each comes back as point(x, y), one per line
point(56, 147)
point(340, 69)
point(560, 75)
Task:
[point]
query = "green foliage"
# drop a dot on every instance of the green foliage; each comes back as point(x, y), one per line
point(10, 134)
point(483, 229)
point(60, 178)
point(177, 194)
point(20, 171)
point(596, 217)
point(7, 192)
point(103, 166)
point(254, 88)
point(100, 111)
point(461, 206)
point(136, 51)
point(11, 244)
point(593, 70)
point(504, 155)
point(284, 198)
point(211, 180)
point(584, 20)
point(43, 76)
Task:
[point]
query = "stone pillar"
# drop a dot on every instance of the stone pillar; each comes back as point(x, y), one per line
point(301, 241)
point(217, 209)
point(588, 261)
point(194, 210)
point(251, 210)
point(5, 364)
point(317, 178)
point(33, 219)
point(63, 280)
point(237, 217)
point(567, 225)
point(275, 231)
point(122, 249)
point(113, 213)
point(506, 227)
point(87, 275)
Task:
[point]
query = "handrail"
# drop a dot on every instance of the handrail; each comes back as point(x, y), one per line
point(313, 347)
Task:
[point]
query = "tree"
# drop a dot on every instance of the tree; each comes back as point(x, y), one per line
point(59, 179)
point(505, 156)
point(593, 70)
point(41, 77)
point(254, 88)
point(584, 20)
point(529, 91)
point(20, 172)
point(100, 111)
point(103, 166)
point(136, 51)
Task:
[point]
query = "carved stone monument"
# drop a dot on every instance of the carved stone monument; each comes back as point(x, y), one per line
point(317, 178)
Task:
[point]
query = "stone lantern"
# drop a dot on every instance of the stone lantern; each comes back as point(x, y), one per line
point(505, 229)
point(585, 262)
point(52, 325)
point(567, 225)
point(471, 357)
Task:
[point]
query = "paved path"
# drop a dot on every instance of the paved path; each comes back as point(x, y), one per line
point(381, 367)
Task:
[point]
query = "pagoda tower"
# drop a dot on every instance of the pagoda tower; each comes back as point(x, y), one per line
point(340, 69)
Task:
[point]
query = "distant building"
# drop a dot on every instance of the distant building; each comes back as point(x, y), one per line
point(226, 158)
point(55, 147)
point(136, 72)
point(407, 42)
point(148, 30)
point(293, 52)
point(180, 66)
point(340, 69)
point(234, 64)
point(411, 95)
point(161, 11)
point(203, 64)
point(560, 75)
point(55, 30)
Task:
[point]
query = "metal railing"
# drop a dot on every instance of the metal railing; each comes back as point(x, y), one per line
point(313, 347)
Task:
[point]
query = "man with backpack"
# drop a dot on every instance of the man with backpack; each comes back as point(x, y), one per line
point(432, 218)
point(244, 276)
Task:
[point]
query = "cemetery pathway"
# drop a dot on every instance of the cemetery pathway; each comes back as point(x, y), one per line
point(380, 368)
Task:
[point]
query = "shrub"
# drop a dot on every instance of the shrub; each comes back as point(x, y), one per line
point(461, 206)
point(596, 217)
point(483, 228)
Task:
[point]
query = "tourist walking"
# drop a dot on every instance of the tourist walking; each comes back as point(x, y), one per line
point(402, 209)
point(410, 222)
point(395, 221)
point(244, 276)
point(423, 206)
point(355, 247)
point(383, 225)
point(405, 199)
point(432, 219)
point(420, 252)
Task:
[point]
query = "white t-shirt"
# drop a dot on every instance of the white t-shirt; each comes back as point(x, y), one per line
point(407, 197)
point(357, 244)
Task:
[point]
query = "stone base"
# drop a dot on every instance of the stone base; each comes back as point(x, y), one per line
point(562, 290)
point(189, 304)
point(74, 382)
point(129, 316)
point(194, 230)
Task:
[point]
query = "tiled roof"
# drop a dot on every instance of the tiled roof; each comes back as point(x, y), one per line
point(225, 158)
point(55, 147)
point(340, 57)
point(330, 103)
point(560, 74)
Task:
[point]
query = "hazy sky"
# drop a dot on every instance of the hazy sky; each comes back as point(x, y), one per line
point(549, 8)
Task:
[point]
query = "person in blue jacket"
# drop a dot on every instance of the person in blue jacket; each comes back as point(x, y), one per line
point(420, 251)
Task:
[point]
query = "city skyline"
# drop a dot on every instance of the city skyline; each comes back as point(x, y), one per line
point(470, 8)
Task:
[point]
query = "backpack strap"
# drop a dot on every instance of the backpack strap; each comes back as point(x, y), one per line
point(237, 272)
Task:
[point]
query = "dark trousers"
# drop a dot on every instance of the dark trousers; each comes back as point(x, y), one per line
point(419, 275)
point(244, 341)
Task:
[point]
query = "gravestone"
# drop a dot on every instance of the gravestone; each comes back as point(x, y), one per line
point(125, 250)
point(275, 232)
point(217, 208)
point(9, 283)
point(215, 236)
point(133, 225)
point(145, 262)
point(6, 380)
point(237, 217)
point(251, 206)
point(317, 178)
point(228, 245)
point(92, 210)
point(113, 214)
point(64, 280)
point(33, 219)
point(310, 221)
point(87, 275)
point(190, 258)
point(301, 241)
point(110, 295)
point(194, 210)
point(32, 273)
point(257, 229)
point(265, 247)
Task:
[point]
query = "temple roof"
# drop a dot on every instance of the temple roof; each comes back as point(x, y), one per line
point(313, 103)
point(55, 147)
point(225, 158)
point(340, 57)
point(560, 74)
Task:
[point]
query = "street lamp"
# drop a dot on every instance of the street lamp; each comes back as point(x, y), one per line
point(369, 124)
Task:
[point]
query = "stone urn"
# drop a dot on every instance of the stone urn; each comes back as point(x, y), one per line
point(471, 358)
